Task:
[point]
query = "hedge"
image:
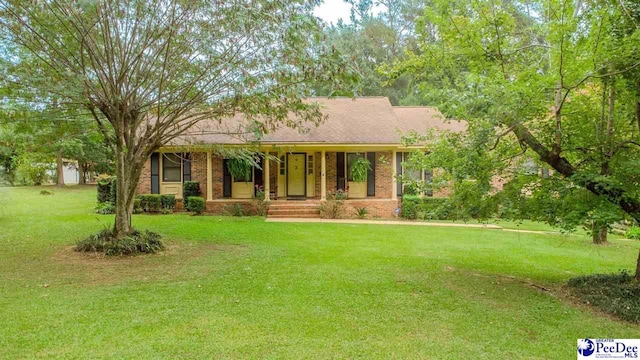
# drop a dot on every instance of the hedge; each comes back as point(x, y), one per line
point(427, 208)
point(156, 202)
point(196, 204)
point(189, 189)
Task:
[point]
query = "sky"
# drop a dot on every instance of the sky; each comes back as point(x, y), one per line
point(332, 10)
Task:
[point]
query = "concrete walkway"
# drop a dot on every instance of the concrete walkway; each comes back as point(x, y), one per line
point(379, 222)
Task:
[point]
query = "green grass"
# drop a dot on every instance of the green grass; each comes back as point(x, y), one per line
point(242, 288)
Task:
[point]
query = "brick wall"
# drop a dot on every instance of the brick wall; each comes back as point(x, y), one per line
point(217, 176)
point(274, 168)
point(220, 207)
point(376, 208)
point(199, 170)
point(144, 183)
point(383, 175)
point(332, 176)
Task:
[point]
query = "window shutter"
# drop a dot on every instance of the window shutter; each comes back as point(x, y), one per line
point(186, 167)
point(226, 180)
point(371, 175)
point(428, 178)
point(340, 175)
point(399, 172)
point(155, 173)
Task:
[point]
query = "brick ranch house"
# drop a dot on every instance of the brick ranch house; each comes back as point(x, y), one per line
point(310, 163)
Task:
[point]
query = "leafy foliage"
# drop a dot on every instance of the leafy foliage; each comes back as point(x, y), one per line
point(189, 189)
point(333, 207)
point(633, 233)
point(258, 203)
point(105, 208)
point(359, 169)
point(151, 202)
point(233, 210)
point(617, 294)
point(137, 242)
point(361, 212)
point(239, 168)
point(196, 204)
point(104, 188)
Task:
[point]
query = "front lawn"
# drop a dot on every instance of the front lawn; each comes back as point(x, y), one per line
point(242, 288)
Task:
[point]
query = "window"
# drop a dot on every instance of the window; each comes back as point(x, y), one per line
point(413, 174)
point(351, 157)
point(282, 164)
point(310, 165)
point(171, 168)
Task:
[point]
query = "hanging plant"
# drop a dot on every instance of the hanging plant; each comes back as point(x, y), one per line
point(239, 168)
point(360, 169)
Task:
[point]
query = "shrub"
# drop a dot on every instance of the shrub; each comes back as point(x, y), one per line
point(432, 208)
point(46, 192)
point(137, 206)
point(427, 208)
point(150, 202)
point(633, 233)
point(113, 190)
point(104, 188)
point(333, 207)
point(233, 210)
point(617, 294)
point(105, 208)
point(135, 243)
point(409, 207)
point(196, 204)
point(189, 189)
point(361, 212)
point(32, 169)
point(258, 204)
point(168, 202)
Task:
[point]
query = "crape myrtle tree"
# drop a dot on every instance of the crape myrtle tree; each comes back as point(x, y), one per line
point(148, 71)
point(557, 80)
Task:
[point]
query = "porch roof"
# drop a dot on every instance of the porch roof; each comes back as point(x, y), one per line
point(364, 120)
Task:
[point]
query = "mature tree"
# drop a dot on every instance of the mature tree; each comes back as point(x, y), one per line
point(555, 78)
point(378, 34)
point(151, 70)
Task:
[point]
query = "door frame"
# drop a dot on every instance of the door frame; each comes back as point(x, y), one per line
point(304, 174)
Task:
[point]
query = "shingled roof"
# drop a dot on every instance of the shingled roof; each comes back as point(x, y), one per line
point(364, 120)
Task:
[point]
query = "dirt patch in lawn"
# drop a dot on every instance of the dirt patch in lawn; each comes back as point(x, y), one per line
point(172, 263)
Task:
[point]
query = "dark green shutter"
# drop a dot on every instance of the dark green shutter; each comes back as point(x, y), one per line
point(155, 173)
point(399, 172)
point(340, 172)
point(371, 175)
point(226, 180)
point(186, 167)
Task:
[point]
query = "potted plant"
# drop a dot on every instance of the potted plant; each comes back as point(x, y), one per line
point(358, 172)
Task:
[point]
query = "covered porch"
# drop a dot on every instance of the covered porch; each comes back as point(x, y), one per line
point(308, 173)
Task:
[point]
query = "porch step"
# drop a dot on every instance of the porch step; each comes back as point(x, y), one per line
point(293, 210)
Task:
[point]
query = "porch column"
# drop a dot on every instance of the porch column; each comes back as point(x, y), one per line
point(267, 176)
point(323, 175)
point(209, 176)
point(394, 181)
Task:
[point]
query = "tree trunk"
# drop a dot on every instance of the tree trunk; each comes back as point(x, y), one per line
point(599, 234)
point(128, 170)
point(59, 169)
point(82, 179)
